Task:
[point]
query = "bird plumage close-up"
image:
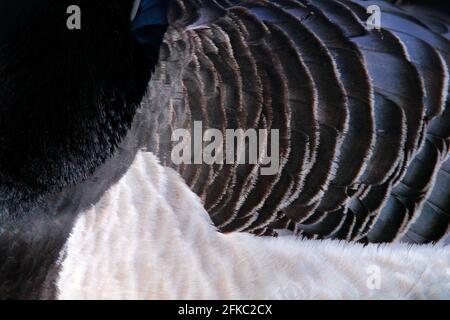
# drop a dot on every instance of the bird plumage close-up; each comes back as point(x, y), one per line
point(347, 99)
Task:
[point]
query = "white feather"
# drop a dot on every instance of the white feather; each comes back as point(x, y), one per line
point(150, 238)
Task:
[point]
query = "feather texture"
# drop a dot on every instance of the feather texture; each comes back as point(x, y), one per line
point(362, 114)
point(149, 237)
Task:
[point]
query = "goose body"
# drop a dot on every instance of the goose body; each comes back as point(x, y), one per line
point(364, 141)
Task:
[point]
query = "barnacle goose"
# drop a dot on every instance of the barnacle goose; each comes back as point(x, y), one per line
point(93, 207)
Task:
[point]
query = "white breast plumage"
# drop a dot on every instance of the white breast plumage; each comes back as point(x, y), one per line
point(149, 237)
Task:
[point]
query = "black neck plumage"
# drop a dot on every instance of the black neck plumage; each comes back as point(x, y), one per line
point(67, 102)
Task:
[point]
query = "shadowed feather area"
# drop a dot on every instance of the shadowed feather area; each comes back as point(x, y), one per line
point(67, 97)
